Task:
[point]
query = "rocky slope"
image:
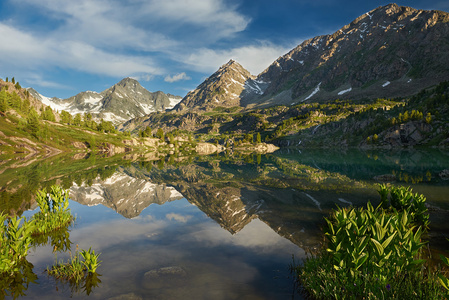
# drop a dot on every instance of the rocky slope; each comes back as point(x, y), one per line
point(225, 88)
point(121, 102)
point(390, 51)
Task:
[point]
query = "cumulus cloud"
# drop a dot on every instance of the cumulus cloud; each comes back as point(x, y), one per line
point(255, 58)
point(22, 48)
point(177, 77)
point(214, 15)
point(114, 38)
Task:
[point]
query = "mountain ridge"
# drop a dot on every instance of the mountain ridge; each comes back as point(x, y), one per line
point(390, 51)
point(124, 100)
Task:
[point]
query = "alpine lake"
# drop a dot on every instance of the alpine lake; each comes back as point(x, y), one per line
point(208, 227)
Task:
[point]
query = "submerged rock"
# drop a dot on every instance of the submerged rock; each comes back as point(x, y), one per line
point(444, 174)
point(166, 271)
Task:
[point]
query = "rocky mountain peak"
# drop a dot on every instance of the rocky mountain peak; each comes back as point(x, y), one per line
point(125, 100)
point(388, 52)
point(227, 87)
point(223, 88)
point(129, 83)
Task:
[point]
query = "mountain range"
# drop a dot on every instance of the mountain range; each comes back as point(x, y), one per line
point(121, 102)
point(391, 51)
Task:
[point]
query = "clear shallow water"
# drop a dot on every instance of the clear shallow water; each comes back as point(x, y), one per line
point(215, 228)
point(215, 264)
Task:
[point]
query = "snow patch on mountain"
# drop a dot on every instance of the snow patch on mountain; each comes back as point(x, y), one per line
point(316, 90)
point(345, 91)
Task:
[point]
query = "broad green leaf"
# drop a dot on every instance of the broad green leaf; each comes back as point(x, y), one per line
point(388, 240)
point(444, 281)
point(378, 246)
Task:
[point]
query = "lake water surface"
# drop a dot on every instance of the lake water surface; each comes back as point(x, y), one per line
point(215, 227)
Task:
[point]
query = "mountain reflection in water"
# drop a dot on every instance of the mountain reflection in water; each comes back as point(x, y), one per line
point(222, 227)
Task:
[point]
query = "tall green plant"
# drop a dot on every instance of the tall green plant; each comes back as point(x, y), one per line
point(15, 242)
point(90, 260)
point(403, 199)
point(54, 210)
point(373, 253)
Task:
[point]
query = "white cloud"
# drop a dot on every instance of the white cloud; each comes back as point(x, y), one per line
point(255, 58)
point(103, 23)
point(214, 15)
point(177, 77)
point(34, 79)
point(22, 49)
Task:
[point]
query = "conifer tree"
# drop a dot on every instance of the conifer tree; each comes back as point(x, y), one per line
point(48, 114)
point(160, 134)
point(33, 123)
point(147, 132)
point(77, 120)
point(3, 101)
point(66, 118)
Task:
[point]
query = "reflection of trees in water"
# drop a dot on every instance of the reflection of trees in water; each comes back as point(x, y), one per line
point(17, 194)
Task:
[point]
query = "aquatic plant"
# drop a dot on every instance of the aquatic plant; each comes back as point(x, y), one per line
point(15, 240)
point(75, 269)
point(72, 270)
point(374, 253)
point(54, 212)
point(90, 260)
point(403, 199)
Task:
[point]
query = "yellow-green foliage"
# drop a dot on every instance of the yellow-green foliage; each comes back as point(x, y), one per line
point(373, 253)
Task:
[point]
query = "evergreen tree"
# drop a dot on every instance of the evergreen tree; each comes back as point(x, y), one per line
point(66, 118)
point(48, 114)
point(171, 138)
point(33, 123)
point(77, 120)
point(147, 132)
point(7, 80)
point(106, 126)
point(88, 120)
point(3, 101)
point(13, 80)
point(160, 134)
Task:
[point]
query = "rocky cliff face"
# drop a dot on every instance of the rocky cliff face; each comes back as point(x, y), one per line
point(121, 102)
point(387, 52)
point(226, 88)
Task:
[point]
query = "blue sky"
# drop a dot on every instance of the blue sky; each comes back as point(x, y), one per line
point(63, 47)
